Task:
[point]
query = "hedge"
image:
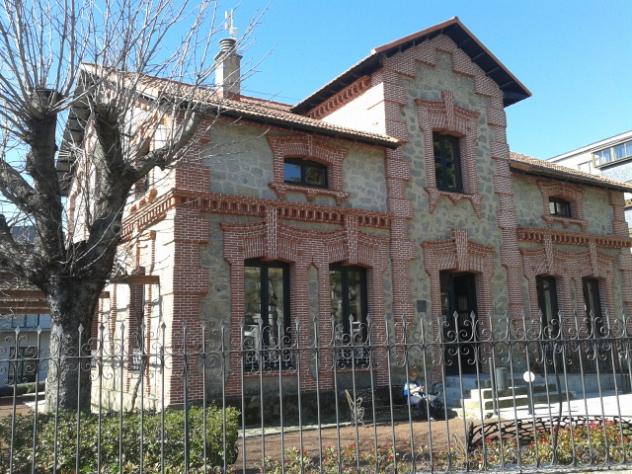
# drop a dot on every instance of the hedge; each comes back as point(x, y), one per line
point(88, 453)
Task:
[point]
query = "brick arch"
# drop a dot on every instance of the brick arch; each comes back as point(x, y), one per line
point(460, 254)
point(310, 148)
point(302, 248)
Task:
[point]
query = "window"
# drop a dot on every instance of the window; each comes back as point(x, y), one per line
point(603, 156)
point(267, 315)
point(141, 186)
point(592, 305)
point(349, 311)
point(447, 156)
point(617, 152)
point(305, 173)
point(27, 321)
point(559, 207)
point(547, 302)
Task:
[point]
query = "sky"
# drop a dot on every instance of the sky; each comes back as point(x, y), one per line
point(574, 56)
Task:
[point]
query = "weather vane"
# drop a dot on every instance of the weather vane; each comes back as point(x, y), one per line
point(229, 24)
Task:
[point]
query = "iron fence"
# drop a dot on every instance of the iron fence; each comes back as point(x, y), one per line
point(452, 394)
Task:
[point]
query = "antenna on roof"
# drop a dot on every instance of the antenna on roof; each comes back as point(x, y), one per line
point(229, 24)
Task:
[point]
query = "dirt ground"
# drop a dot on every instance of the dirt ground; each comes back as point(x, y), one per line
point(6, 404)
point(366, 436)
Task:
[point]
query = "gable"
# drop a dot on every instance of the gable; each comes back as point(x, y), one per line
point(512, 89)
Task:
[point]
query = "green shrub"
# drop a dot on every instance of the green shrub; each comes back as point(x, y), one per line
point(130, 437)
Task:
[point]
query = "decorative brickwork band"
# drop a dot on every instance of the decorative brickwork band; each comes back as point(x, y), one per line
point(343, 97)
point(302, 249)
point(569, 269)
point(460, 255)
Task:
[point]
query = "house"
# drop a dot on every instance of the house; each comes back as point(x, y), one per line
point(391, 190)
point(25, 326)
point(609, 157)
point(24, 341)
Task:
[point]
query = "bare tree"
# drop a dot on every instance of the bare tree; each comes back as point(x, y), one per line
point(74, 68)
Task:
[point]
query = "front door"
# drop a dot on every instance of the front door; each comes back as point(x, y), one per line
point(458, 301)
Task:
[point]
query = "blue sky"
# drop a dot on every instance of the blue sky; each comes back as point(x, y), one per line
point(574, 56)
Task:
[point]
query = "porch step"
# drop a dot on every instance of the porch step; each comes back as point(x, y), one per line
point(469, 381)
point(488, 394)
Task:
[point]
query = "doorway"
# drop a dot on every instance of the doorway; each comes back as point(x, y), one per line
point(458, 295)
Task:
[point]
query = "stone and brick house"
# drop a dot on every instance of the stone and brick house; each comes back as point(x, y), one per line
point(389, 191)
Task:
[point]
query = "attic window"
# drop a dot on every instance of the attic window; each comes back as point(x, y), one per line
point(305, 173)
point(559, 207)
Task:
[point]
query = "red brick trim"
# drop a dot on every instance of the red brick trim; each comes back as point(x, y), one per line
point(446, 116)
point(462, 255)
point(342, 98)
point(310, 148)
point(537, 234)
point(569, 192)
point(303, 248)
point(246, 206)
point(569, 268)
point(619, 224)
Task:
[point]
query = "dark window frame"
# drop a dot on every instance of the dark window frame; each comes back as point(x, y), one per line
point(267, 351)
point(560, 207)
point(547, 319)
point(442, 162)
point(591, 289)
point(304, 165)
point(355, 354)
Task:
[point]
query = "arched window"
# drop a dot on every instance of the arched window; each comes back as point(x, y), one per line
point(305, 173)
point(560, 207)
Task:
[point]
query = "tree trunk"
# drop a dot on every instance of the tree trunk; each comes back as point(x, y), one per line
point(68, 385)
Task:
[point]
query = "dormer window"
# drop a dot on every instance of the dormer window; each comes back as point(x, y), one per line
point(447, 158)
point(559, 207)
point(305, 173)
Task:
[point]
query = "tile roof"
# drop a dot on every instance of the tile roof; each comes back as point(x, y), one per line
point(258, 110)
point(531, 165)
point(275, 116)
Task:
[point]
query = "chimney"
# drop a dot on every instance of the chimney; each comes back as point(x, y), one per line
point(227, 69)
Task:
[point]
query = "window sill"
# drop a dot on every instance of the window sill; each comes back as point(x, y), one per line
point(281, 189)
point(436, 194)
point(565, 221)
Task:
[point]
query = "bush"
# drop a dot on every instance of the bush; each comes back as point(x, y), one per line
point(130, 437)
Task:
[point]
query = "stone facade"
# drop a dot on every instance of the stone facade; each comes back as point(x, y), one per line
point(187, 243)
